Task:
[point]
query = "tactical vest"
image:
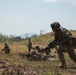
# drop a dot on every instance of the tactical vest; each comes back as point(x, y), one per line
point(63, 35)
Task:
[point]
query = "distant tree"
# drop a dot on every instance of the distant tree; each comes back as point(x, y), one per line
point(17, 39)
point(13, 38)
point(2, 37)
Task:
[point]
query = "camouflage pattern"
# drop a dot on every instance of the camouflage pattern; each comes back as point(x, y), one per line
point(29, 45)
point(45, 50)
point(64, 43)
point(55, 24)
point(6, 49)
point(38, 54)
point(41, 50)
point(74, 42)
point(34, 56)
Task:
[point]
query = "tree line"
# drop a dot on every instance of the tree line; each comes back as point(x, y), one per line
point(12, 38)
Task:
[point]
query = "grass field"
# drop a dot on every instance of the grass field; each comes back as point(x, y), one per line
point(48, 67)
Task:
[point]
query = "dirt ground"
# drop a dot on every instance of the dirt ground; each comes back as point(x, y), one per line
point(14, 64)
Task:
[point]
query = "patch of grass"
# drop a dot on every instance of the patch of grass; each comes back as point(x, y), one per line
point(53, 73)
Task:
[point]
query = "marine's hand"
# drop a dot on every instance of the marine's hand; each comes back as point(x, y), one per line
point(46, 48)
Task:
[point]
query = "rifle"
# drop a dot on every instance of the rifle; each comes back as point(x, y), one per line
point(54, 43)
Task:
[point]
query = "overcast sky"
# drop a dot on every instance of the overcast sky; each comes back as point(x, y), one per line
point(27, 16)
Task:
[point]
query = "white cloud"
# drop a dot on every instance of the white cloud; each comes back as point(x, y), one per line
point(50, 1)
point(54, 1)
point(71, 1)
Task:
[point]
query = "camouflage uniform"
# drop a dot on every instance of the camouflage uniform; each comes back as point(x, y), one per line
point(41, 50)
point(33, 56)
point(29, 45)
point(6, 49)
point(64, 42)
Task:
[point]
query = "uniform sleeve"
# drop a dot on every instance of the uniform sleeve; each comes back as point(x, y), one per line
point(66, 38)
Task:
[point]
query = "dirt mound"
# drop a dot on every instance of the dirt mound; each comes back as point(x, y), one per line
point(18, 69)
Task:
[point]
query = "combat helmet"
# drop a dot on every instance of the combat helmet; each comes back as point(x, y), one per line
point(55, 25)
point(5, 43)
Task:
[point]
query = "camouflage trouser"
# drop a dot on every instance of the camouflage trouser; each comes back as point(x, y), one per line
point(7, 51)
point(29, 49)
point(69, 50)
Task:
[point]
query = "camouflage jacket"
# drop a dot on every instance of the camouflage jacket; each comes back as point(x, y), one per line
point(29, 44)
point(64, 36)
point(6, 48)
